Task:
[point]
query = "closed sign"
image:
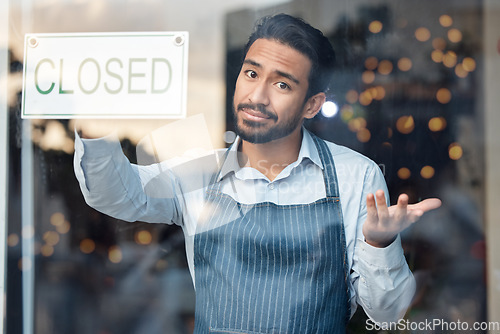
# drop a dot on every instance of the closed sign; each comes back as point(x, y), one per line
point(105, 75)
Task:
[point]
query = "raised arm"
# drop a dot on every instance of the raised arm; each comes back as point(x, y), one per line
point(114, 186)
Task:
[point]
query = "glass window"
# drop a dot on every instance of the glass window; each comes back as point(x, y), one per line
point(414, 89)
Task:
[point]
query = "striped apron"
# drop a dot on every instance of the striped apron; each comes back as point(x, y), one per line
point(268, 268)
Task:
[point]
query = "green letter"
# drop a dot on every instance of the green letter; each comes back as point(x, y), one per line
point(169, 79)
point(45, 60)
point(130, 75)
point(114, 75)
point(80, 75)
point(62, 91)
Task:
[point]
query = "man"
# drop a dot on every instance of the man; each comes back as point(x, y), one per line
point(290, 233)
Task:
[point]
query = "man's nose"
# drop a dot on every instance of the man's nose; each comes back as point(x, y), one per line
point(259, 94)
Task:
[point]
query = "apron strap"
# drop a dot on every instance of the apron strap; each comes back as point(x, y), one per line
point(329, 173)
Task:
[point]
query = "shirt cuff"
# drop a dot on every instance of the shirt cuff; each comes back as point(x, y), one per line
point(387, 257)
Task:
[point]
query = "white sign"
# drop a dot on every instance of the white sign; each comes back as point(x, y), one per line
point(105, 75)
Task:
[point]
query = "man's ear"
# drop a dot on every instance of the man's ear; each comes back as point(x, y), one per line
point(313, 105)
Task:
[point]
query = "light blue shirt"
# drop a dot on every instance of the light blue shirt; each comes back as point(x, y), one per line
point(174, 192)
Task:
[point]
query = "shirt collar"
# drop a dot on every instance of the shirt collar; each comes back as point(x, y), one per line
point(307, 150)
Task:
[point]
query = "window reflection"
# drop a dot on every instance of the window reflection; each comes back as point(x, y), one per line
point(405, 94)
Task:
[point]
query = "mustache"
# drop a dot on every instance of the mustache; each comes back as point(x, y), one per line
point(260, 108)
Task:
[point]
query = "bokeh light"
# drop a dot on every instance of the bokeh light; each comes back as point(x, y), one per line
point(385, 67)
point(427, 172)
point(443, 95)
point(143, 237)
point(445, 20)
point(371, 63)
point(405, 124)
point(437, 56)
point(368, 77)
point(352, 96)
point(404, 173)
point(469, 64)
point(13, 240)
point(375, 27)
point(115, 254)
point(87, 246)
point(346, 113)
point(454, 35)
point(437, 124)
point(422, 34)
point(450, 59)
point(460, 71)
point(455, 151)
point(363, 135)
point(439, 43)
point(404, 64)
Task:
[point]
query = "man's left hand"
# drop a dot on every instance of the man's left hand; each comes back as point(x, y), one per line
point(383, 223)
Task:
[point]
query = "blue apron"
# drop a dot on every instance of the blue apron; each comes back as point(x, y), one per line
point(268, 268)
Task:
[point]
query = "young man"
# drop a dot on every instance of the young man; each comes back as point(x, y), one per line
point(290, 232)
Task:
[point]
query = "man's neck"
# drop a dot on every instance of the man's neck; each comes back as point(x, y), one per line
point(271, 158)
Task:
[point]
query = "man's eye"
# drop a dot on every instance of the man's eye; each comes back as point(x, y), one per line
point(251, 74)
point(282, 85)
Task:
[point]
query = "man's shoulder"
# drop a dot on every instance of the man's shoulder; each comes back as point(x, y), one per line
point(345, 155)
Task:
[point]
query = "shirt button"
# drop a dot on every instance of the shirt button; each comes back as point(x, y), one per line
point(271, 186)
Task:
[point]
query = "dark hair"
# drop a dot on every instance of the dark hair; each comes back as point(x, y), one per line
point(301, 36)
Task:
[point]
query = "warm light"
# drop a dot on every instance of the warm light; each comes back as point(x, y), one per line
point(443, 95)
point(454, 35)
point(389, 132)
point(87, 246)
point(64, 228)
point(445, 20)
point(375, 27)
point(405, 124)
point(437, 56)
point(363, 135)
point(404, 64)
point(450, 59)
point(143, 237)
point(460, 71)
point(385, 67)
point(356, 124)
point(371, 63)
point(380, 92)
point(115, 254)
point(57, 219)
point(439, 43)
point(365, 98)
point(47, 250)
point(346, 113)
point(351, 96)
point(469, 64)
point(437, 124)
point(455, 151)
point(51, 238)
point(12, 240)
point(404, 173)
point(427, 172)
point(422, 34)
point(368, 77)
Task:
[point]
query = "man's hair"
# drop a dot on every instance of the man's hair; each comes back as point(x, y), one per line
point(301, 36)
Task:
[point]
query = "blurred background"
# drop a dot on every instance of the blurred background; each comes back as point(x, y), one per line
point(416, 90)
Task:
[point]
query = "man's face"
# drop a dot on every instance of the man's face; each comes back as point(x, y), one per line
point(270, 92)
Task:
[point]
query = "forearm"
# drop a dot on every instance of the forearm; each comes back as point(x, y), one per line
point(385, 285)
point(111, 185)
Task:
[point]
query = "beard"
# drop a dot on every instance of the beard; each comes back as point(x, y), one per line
point(259, 133)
